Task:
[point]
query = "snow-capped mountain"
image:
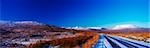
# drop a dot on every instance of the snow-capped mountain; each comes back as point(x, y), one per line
point(77, 28)
point(83, 28)
point(28, 22)
point(124, 26)
point(14, 23)
point(19, 24)
point(29, 26)
point(128, 28)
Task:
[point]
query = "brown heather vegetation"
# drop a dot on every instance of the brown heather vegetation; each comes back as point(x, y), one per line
point(91, 41)
point(84, 39)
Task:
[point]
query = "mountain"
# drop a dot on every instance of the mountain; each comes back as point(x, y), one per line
point(28, 22)
point(83, 28)
point(29, 26)
point(17, 34)
point(124, 26)
point(128, 28)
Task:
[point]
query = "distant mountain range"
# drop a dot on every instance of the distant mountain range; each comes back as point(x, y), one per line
point(124, 26)
point(117, 28)
point(29, 26)
point(83, 28)
point(33, 26)
point(128, 28)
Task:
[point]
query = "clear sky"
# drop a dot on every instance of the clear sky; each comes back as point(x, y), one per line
point(76, 12)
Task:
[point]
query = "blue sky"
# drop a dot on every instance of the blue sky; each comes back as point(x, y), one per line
point(76, 12)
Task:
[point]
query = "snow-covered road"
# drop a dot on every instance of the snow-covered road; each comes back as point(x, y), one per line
point(109, 41)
